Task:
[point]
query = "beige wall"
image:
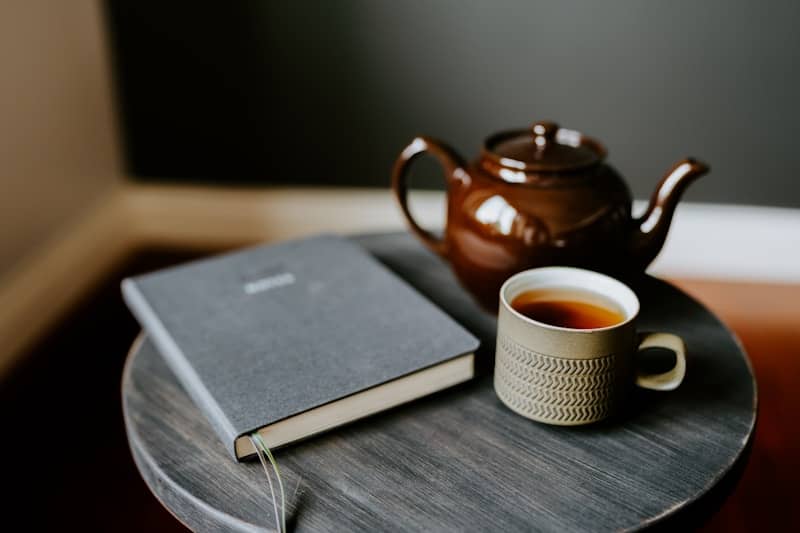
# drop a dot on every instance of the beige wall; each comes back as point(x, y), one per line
point(58, 141)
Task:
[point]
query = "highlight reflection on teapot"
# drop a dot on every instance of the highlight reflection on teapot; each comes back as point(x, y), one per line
point(540, 197)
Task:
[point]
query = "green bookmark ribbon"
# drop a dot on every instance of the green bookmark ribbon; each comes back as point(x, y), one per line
point(263, 451)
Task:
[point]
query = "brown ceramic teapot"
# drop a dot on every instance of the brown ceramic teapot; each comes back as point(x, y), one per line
point(540, 197)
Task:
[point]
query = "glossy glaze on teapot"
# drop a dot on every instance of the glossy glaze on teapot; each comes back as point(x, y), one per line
point(541, 197)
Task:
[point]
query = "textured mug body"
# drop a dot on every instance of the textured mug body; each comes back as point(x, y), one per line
point(558, 375)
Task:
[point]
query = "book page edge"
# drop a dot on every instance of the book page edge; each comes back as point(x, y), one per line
point(361, 404)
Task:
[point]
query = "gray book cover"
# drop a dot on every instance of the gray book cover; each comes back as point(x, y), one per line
point(266, 333)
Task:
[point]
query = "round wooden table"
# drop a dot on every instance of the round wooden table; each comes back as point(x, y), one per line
point(459, 460)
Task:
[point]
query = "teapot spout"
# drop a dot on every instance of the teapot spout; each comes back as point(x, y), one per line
point(650, 230)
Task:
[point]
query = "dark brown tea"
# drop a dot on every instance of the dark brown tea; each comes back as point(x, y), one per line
point(568, 309)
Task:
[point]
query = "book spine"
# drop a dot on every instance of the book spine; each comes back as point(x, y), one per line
point(180, 366)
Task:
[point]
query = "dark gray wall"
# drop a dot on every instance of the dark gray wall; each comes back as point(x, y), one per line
point(329, 92)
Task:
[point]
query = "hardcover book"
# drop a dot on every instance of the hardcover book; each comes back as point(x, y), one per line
point(297, 338)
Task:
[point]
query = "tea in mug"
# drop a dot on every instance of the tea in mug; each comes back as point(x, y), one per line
point(567, 308)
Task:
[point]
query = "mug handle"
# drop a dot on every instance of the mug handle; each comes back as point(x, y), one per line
point(672, 378)
point(452, 164)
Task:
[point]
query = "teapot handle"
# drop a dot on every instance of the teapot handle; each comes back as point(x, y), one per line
point(452, 164)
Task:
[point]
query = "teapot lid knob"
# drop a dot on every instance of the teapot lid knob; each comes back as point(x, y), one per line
point(542, 147)
point(544, 131)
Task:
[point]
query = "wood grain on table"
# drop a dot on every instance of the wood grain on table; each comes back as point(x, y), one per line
point(767, 320)
point(663, 458)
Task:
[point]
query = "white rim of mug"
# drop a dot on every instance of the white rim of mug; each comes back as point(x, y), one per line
point(574, 270)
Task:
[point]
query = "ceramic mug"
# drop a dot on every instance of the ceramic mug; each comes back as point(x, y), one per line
point(566, 376)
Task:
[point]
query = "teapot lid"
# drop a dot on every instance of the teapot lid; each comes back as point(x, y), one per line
point(544, 147)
